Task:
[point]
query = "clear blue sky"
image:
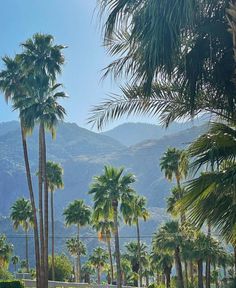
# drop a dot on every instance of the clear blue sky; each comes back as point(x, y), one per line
point(75, 24)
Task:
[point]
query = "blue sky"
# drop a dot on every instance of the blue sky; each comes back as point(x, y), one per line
point(73, 23)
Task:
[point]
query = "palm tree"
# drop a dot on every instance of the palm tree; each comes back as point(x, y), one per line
point(98, 259)
point(111, 189)
point(15, 260)
point(79, 214)
point(54, 178)
point(6, 250)
point(174, 162)
point(164, 261)
point(104, 226)
point(43, 60)
point(169, 238)
point(22, 215)
point(151, 50)
point(136, 253)
point(13, 85)
point(76, 249)
point(87, 271)
point(126, 269)
point(138, 206)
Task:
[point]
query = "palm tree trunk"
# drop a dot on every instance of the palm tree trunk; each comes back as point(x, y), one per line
point(78, 257)
point(40, 191)
point(235, 260)
point(208, 262)
point(200, 273)
point(167, 276)
point(32, 201)
point(182, 215)
point(147, 280)
point(139, 254)
point(180, 279)
point(186, 272)
point(53, 238)
point(99, 276)
point(44, 173)
point(26, 251)
point(191, 271)
point(110, 257)
point(117, 244)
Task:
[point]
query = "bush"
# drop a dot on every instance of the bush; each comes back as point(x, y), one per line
point(63, 268)
point(11, 284)
point(5, 275)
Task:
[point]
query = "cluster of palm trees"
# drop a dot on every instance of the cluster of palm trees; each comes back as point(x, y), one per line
point(112, 193)
point(29, 82)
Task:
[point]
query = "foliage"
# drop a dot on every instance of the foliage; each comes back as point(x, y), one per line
point(22, 214)
point(11, 284)
point(77, 213)
point(177, 56)
point(54, 176)
point(5, 275)
point(75, 247)
point(63, 268)
point(6, 250)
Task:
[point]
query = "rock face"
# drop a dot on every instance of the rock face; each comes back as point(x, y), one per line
point(83, 154)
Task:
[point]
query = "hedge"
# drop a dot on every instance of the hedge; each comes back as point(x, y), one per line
point(11, 284)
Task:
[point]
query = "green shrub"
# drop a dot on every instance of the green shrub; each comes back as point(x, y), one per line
point(5, 275)
point(11, 284)
point(63, 268)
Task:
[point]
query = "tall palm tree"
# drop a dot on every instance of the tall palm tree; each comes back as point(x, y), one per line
point(55, 181)
point(138, 206)
point(15, 260)
point(13, 84)
point(98, 259)
point(22, 215)
point(104, 226)
point(111, 189)
point(76, 249)
point(43, 60)
point(79, 214)
point(169, 238)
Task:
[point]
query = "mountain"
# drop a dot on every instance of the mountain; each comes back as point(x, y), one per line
point(83, 154)
point(144, 131)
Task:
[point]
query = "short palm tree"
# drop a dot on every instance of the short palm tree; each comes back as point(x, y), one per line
point(136, 253)
point(139, 210)
point(104, 226)
point(15, 260)
point(76, 249)
point(169, 238)
point(55, 181)
point(110, 190)
point(87, 271)
point(79, 214)
point(164, 261)
point(98, 259)
point(22, 215)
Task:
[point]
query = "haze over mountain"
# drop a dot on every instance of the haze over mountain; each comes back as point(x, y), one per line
point(83, 154)
point(132, 133)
